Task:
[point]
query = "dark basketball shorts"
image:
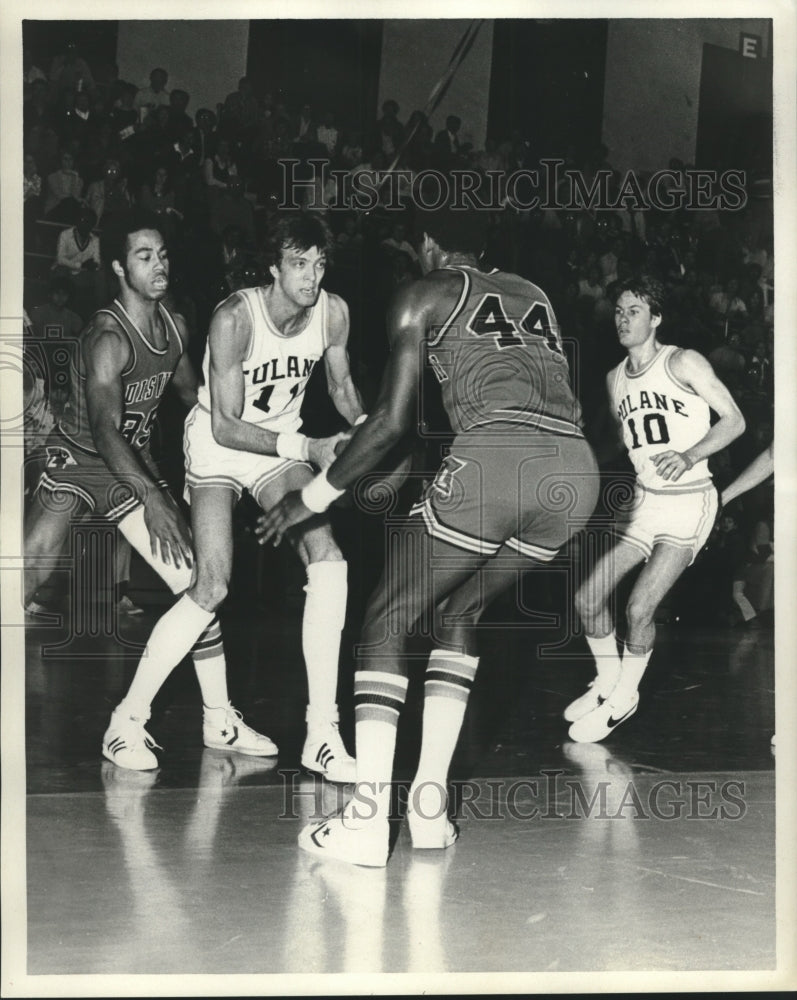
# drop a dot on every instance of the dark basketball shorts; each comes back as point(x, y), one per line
point(528, 491)
point(74, 479)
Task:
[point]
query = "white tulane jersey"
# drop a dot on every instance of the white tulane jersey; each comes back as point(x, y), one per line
point(276, 368)
point(659, 413)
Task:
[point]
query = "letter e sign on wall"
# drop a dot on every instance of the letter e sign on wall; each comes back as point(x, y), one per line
point(750, 45)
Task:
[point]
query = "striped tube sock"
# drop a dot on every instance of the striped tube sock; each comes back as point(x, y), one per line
point(378, 700)
point(449, 678)
point(171, 639)
point(211, 666)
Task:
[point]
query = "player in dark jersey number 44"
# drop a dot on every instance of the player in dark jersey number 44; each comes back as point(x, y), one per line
point(492, 340)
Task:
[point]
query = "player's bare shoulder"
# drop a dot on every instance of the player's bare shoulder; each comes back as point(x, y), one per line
point(104, 337)
point(231, 325)
point(687, 365)
point(427, 301)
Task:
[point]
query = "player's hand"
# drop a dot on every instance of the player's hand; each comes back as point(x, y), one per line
point(168, 529)
point(322, 451)
point(671, 465)
point(289, 511)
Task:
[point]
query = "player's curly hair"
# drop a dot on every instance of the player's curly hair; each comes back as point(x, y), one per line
point(113, 241)
point(453, 227)
point(298, 231)
point(645, 287)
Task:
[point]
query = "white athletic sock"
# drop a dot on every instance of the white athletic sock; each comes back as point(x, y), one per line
point(634, 666)
point(379, 698)
point(211, 666)
point(322, 624)
point(607, 661)
point(171, 639)
point(449, 678)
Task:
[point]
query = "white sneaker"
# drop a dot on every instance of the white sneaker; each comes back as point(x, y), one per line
point(427, 816)
point(324, 753)
point(597, 724)
point(358, 845)
point(584, 703)
point(225, 729)
point(126, 742)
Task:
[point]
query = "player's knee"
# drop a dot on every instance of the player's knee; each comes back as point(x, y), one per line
point(210, 590)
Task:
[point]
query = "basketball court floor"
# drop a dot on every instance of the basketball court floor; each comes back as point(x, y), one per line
point(652, 851)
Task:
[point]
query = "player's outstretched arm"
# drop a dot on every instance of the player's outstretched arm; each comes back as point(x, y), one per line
point(184, 380)
point(396, 405)
point(694, 370)
point(106, 355)
point(757, 471)
point(342, 390)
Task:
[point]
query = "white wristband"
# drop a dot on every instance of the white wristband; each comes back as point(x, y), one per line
point(319, 494)
point(295, 446)
point(360, 420)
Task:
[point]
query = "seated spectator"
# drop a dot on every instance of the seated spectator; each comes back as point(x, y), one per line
point(184, 165)
point(155, 138)
point(70, 71)
point(590, 286)
point(158, 195)
point(78, 247)
point(420, 152)
point(388, 131)
point(304, 129)
point(446, 142)
point(350, 237)
point(203, 137)
point(154, 95)
point(123, 126)
point(80, 121)
point(327, 134)
point(179, 119)
point(729, 362)
point(398, 243)
point(78, 258)
point(232, 209)
point(352, 149)
point(109, 195)
point(489, 158)
point(219, 168)
point(63, 191)
point(241, 111)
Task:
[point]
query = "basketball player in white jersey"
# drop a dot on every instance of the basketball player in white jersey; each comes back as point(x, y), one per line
point(244, 434)
point(661, 397)
point(98, 461)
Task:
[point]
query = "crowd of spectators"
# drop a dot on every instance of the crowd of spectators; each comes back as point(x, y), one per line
point(215, 176)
